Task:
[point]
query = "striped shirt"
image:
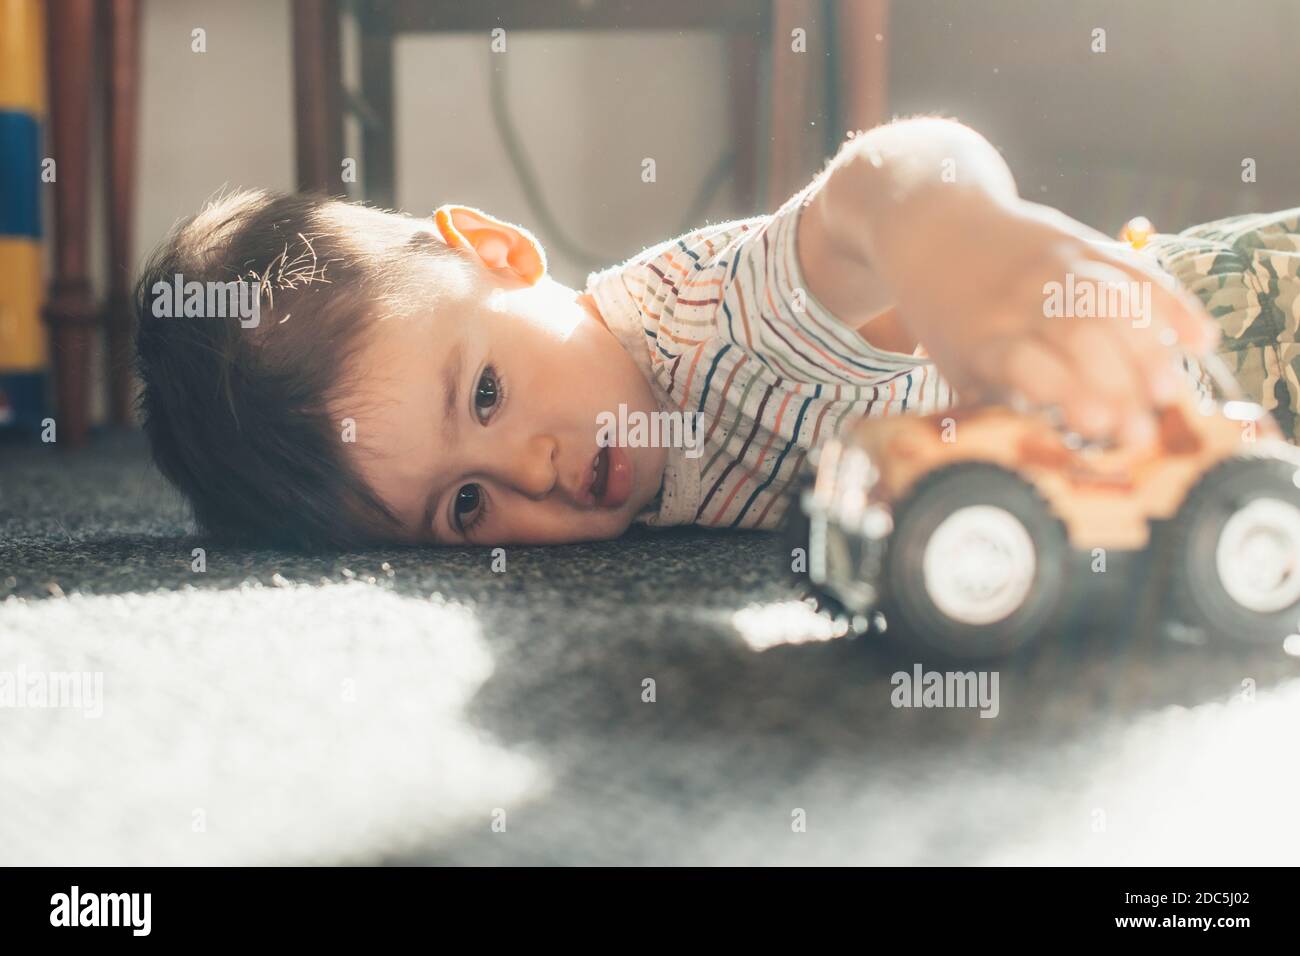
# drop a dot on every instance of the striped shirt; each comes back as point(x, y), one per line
point(721, 324)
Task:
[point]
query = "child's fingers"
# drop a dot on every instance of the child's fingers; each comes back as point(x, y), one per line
point(1171, 306)
point(1157, 363)
point(1175, 323)
point(1158, 366)
point(1036, 369)
point(1111, 393)
point(1108, 371)
point(1155, 317)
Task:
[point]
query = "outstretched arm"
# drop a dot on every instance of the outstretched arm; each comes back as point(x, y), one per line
point(923, 216)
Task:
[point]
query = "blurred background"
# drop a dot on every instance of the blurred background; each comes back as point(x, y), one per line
point(1177, 109)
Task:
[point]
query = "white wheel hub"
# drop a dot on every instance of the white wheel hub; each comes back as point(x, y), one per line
point(1258, 555)
point(979, 564)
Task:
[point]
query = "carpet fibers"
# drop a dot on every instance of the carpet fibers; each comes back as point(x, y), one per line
point(662, 699)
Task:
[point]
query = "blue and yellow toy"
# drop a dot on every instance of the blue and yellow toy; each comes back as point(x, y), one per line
point(22, 106)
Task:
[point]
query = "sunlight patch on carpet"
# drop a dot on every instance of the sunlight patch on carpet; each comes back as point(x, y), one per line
point(296, 724)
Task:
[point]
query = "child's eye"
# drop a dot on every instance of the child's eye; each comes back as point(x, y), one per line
point(487, 394)
point(469, 502)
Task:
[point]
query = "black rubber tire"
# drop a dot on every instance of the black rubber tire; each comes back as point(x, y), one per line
point(1197, 596)
point(913, 616)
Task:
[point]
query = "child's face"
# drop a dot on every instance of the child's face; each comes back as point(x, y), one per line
point(476, 418)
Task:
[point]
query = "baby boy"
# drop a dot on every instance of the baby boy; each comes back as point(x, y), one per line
point(426, 381)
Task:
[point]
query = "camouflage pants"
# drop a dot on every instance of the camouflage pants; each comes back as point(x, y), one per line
point(1246, 270)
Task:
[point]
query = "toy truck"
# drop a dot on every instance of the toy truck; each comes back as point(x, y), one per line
point(963, 527)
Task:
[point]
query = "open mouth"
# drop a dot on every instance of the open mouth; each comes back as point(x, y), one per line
point(611, 477)
point(600, 479)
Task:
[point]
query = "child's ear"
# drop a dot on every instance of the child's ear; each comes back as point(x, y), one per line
point(498, 244)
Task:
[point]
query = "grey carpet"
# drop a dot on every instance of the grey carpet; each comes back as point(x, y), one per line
point(392, 706)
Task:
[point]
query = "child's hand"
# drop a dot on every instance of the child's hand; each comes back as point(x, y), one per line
point(979, 297)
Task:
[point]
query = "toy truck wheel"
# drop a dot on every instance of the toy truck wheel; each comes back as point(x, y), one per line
point(1235, 552)
point(977, 564)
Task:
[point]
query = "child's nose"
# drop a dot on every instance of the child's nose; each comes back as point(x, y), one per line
point(533, 470)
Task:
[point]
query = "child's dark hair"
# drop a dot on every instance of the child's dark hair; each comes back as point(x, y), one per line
point(238, 412)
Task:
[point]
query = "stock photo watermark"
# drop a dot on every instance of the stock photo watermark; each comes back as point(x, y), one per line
point(1077, 298)
point(208, 300)
point(947, 689)
point(53, 690)
point(129, 910)
point(636, 429)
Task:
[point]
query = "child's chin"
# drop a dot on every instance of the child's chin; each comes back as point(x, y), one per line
point(610, 524)
point(613, 526)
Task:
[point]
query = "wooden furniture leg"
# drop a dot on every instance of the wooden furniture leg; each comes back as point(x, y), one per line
point(378, 172)
point(863, 62)
point(746, 93)
point(70, 308)
point(318, 95)
point(122, 50)
point(793, 91)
